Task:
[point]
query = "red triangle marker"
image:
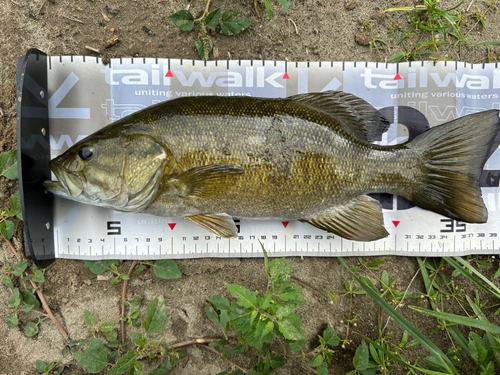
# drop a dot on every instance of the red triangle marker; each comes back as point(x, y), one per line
point(169, 74)
point(285, 76)
point(397, 77)
point(396, 223)
point(285, 223)
point(172, 225)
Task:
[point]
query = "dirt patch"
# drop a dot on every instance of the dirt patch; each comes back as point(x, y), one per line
point(310, 30)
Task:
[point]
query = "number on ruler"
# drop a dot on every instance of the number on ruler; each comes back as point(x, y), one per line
point(452, 226)
point(114, 228)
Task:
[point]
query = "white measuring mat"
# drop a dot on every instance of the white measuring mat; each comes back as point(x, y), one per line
point(85, 94)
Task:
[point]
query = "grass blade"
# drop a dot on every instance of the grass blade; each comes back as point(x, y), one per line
point(424, 341)
point(427, 281)
point(494, 289)
point(399, 360)
point(463, 320)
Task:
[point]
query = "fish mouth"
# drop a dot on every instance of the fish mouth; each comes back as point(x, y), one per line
point(69, 184)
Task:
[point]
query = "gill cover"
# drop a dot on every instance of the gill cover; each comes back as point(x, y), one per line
point(121, 173)
point(144, 168)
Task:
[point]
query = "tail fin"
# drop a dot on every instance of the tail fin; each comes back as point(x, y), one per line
point(453, 157)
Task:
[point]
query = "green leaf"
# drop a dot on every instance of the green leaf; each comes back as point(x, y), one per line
point(95, 358)
point(245, 297)
point(277, 362)
point(220, 303)
point(280, 271)
point(455, 357)
point(297, 346)
point(489, 370)
point(200, 47)
point(184, 19)
point(31, 329)
point(322, 369)
point(138, 269)
point(15, 299)
point(211, 313)
point(266, 301)
point(30, 299)
point(40, 366)
point(317, 360)
point(15, 203)
point(497, 274)
point(106, 327)
point(435, 364)
point(8, 282)
point(385, 280)
point(156, 316)
point(288, 330)
point(231, 25)
point(111, 336)
point(477, 348)
point(224, 319)
point(90, 318)
point(268, 328)
point(11, 321)
point(7, 228)
point(212, 19)
point(269, 10)
point(253, 315)
point(8, 165)
point(361, 358)
point(285, 4)
point(28, 308)
point(240, 320)
point(240, 349)
point(167, 269)
point(95, 267)
point(163, 369)
point(330, 336)
point(38, 276)
point(124, 364)
point(139, 339)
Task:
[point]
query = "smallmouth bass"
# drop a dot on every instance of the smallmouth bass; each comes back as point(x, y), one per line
point(308, 157)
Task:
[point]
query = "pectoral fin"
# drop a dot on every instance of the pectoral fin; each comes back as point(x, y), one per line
point(203, 180)
point(359, 219)
point(220, 224)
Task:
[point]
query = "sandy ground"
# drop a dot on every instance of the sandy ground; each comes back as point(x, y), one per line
point(326, 31)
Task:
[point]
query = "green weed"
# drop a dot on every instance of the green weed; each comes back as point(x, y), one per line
point(483, 350)
point(228, 22)
point(432, 29)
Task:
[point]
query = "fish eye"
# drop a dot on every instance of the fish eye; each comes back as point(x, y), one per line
point(86, 153)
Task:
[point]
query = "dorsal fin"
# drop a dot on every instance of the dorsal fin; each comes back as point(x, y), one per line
point(356, 116)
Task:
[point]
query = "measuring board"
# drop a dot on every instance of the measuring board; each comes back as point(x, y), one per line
point(82, 95)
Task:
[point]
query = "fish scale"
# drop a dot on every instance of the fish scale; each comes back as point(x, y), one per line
point(308, 157)
point(319, 175)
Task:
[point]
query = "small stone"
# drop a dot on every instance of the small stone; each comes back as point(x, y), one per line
point(363, 38)
point(352, 4)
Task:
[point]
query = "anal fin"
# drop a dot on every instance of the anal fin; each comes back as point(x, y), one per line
point(360, 219)
point(221, 224)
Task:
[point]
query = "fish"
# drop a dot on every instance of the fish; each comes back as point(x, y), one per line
point(308, 157)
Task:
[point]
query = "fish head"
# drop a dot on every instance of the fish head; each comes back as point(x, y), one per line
point(119, 172)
